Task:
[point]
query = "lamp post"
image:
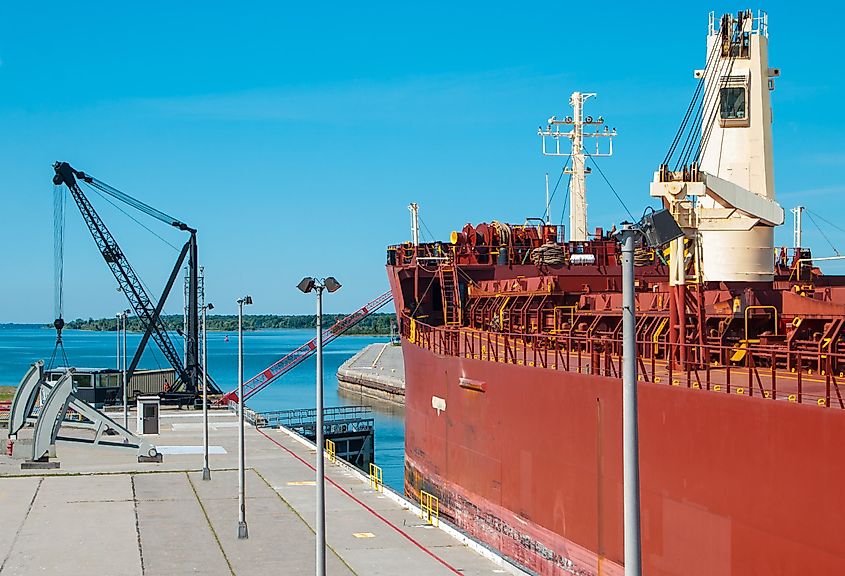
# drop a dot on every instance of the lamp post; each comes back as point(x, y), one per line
point(117, 352)
point(121, 321)
point(206, 470)
point(655, 229)
point(243, 532)
point(309, 284)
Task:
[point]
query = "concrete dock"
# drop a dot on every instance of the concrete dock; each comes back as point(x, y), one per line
point(377, 371)
point(104, 513)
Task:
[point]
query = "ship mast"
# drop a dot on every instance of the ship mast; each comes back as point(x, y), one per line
point(415, 222)
point(796, 226)
point(577, 155)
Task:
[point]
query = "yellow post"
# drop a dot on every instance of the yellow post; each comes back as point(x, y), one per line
point(429, 508)
point(376, 478)
point(330, 449)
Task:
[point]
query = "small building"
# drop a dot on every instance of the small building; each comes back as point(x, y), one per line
point(104, 386)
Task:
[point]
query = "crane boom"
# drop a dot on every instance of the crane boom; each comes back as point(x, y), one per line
point(267, 376)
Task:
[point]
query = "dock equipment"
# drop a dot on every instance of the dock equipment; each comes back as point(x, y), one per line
point(145, 306)
point(349, 429)
point(264, 378)
point(59, 397)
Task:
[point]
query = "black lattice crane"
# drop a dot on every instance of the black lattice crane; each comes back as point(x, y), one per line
point(145, 307)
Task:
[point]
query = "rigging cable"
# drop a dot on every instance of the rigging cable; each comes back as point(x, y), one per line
point(59, 205)
point(825, 220)
point(612, 189)
point(552, 196)
point(138, 222)
point(813, 220)
point(692, 105)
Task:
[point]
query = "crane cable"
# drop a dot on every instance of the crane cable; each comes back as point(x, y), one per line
point(712, 72)
point(692, 105)
point(59, 205)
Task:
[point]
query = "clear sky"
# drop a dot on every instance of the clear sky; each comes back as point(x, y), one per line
point(293, 135)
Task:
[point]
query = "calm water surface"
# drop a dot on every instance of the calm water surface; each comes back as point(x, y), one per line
point(20, 346)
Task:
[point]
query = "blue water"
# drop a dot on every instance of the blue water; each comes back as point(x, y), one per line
point(20, 346)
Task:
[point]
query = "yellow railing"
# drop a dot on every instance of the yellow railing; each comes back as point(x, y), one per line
point(429, 508)
point(376, 478)
point(331, 451)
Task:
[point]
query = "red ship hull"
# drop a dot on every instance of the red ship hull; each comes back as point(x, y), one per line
point(529, 460)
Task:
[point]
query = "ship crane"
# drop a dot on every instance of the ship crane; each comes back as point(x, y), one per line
point(720, 188)
point(146, 308)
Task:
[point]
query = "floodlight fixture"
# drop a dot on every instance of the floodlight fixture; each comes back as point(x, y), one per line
point(306, 284)
point(331, 284)
point(658, 228)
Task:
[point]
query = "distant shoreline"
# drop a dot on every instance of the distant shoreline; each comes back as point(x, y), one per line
point(374, 325)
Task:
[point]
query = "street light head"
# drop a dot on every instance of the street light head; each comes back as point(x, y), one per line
point(127, 311)
point(659, 228)
point(209, 306)
point(331, 284)
point(247, 300)
point(306, 285)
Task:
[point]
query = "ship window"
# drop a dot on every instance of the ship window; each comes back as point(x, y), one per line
point(732, 103)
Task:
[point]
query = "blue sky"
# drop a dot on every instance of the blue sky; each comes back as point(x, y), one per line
point(294, 136)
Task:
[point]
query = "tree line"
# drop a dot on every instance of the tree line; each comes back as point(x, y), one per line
point(376, 324)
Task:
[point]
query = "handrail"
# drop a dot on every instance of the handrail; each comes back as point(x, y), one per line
point(760, 307)
point(766, 371)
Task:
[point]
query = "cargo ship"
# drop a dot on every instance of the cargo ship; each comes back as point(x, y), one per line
point(511, 337)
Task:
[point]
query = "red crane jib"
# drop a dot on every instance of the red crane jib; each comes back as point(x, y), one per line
point(296, 357)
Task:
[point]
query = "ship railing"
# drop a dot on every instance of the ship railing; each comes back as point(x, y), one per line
point(433, 253)
point(763, 371)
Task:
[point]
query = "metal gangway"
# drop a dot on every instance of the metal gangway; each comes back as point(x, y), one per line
point(264, 378)
point(349, 430)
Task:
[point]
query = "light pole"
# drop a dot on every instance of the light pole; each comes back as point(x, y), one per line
point(655, 229)
point(243, 532)
point(630, 434)
point(307, 285)
point(117, 353)
point(206, 470)
point(121, 325)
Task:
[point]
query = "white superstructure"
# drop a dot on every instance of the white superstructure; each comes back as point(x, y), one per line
point(725, 197)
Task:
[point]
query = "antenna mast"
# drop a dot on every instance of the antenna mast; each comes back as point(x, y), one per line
point(796, 226)
point(415, 222)
point(578, 154)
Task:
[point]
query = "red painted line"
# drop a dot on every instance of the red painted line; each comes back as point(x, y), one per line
point(370, 510)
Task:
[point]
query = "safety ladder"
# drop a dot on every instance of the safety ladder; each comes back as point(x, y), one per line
point(829, 340)
point(451, 295)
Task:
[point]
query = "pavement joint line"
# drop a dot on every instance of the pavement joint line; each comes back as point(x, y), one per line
point(373, 512)
point(18, 531)
point(478, 547)
point(111, 473)
point(210, 526)
point(137, 524)
point(304, 521)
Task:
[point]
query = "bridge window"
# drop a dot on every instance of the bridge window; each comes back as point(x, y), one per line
point(733, 109)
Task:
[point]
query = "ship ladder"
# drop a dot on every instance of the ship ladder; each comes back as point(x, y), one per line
point(828, 342)
point(451, 296)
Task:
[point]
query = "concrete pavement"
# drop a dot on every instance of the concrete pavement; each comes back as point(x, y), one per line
point(104, 513)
